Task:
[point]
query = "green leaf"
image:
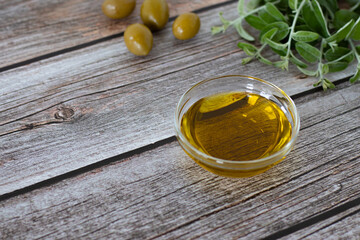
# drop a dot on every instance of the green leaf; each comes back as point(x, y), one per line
point(246, 60)
point(302, 27)
point(255, 22)
point(331, 6)
point(305, 36)
point(317, 83)
point(248, 48)
point(253, 4)
point(264, 60)
point(300, 20)
point(308, 72)
point(313, 22)
point(240, 7)
point(283, 64)
point(326, 83)
point(266, 17)
point(356, 7)
point(339, 52)
point(282, 5)
point(297, 61)
point(337, 66)
point(333, 45)
point(275, 45)
point(356, 76)
point(357, 49)
point(342, 33)
point(217, 29)
point(320, 17)
point(352, 2)
point(271, 14)
point(279, 52)
point(309, 18)
point(268, 35)
point(241, 31)
point(308, 52)
point(223, 20)
point(343, 16)
point(325, 69)
point(283, 30)
point(314, 19)
point(355, 31)
point(274, 12)
point(293, 4)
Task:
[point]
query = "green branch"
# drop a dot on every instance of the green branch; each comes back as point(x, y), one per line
point(292, 28)
point(293, 32)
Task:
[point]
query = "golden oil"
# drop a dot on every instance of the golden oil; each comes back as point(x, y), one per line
point(236, 126)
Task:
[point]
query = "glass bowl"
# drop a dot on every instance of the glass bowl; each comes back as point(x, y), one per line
point(236, 83)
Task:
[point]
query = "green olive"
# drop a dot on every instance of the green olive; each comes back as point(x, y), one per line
point(138, 39)
point(116, 9)
point(186, 26)
point(155, 14)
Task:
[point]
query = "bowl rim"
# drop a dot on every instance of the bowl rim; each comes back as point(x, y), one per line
point(204, 156)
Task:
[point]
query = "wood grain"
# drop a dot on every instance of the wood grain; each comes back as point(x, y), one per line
point(345, 229)
point(163, 194)
point(344, 225)
point(67, 112)
point(310, 192)
point(29, 29)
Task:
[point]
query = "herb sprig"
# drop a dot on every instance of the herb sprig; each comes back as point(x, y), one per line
point(313, 31)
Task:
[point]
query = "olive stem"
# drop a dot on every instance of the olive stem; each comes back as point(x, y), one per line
point(292, 29)
point(354, 50)
point(342, 57)
point(320, 64)
point(239, 19)
point(354, 7)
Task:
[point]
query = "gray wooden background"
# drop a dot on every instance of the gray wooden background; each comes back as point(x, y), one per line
point(87, 146)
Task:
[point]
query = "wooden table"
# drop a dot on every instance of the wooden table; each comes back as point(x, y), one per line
point(88, 149)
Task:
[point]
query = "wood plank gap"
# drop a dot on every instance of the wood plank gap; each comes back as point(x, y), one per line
point(124, 155)
point(97, 41)
point(314, 220)
point(334, 222)
point(323, 120)
point(208, 185)
point(31, 126)
point(87, 168)
point(254, 196)
point(318, 89)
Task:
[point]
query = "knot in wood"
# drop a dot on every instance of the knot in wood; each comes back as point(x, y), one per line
point(302, 76)
point(29, 126)
point(64, 113)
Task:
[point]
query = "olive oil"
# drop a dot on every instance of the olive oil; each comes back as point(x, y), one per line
point(236, 126)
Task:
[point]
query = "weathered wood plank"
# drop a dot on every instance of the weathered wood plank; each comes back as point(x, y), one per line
point(344, 225)
point(29, 29)
point(76, 109)
point(162, 193)
point(346, 229)
point(320, 176)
